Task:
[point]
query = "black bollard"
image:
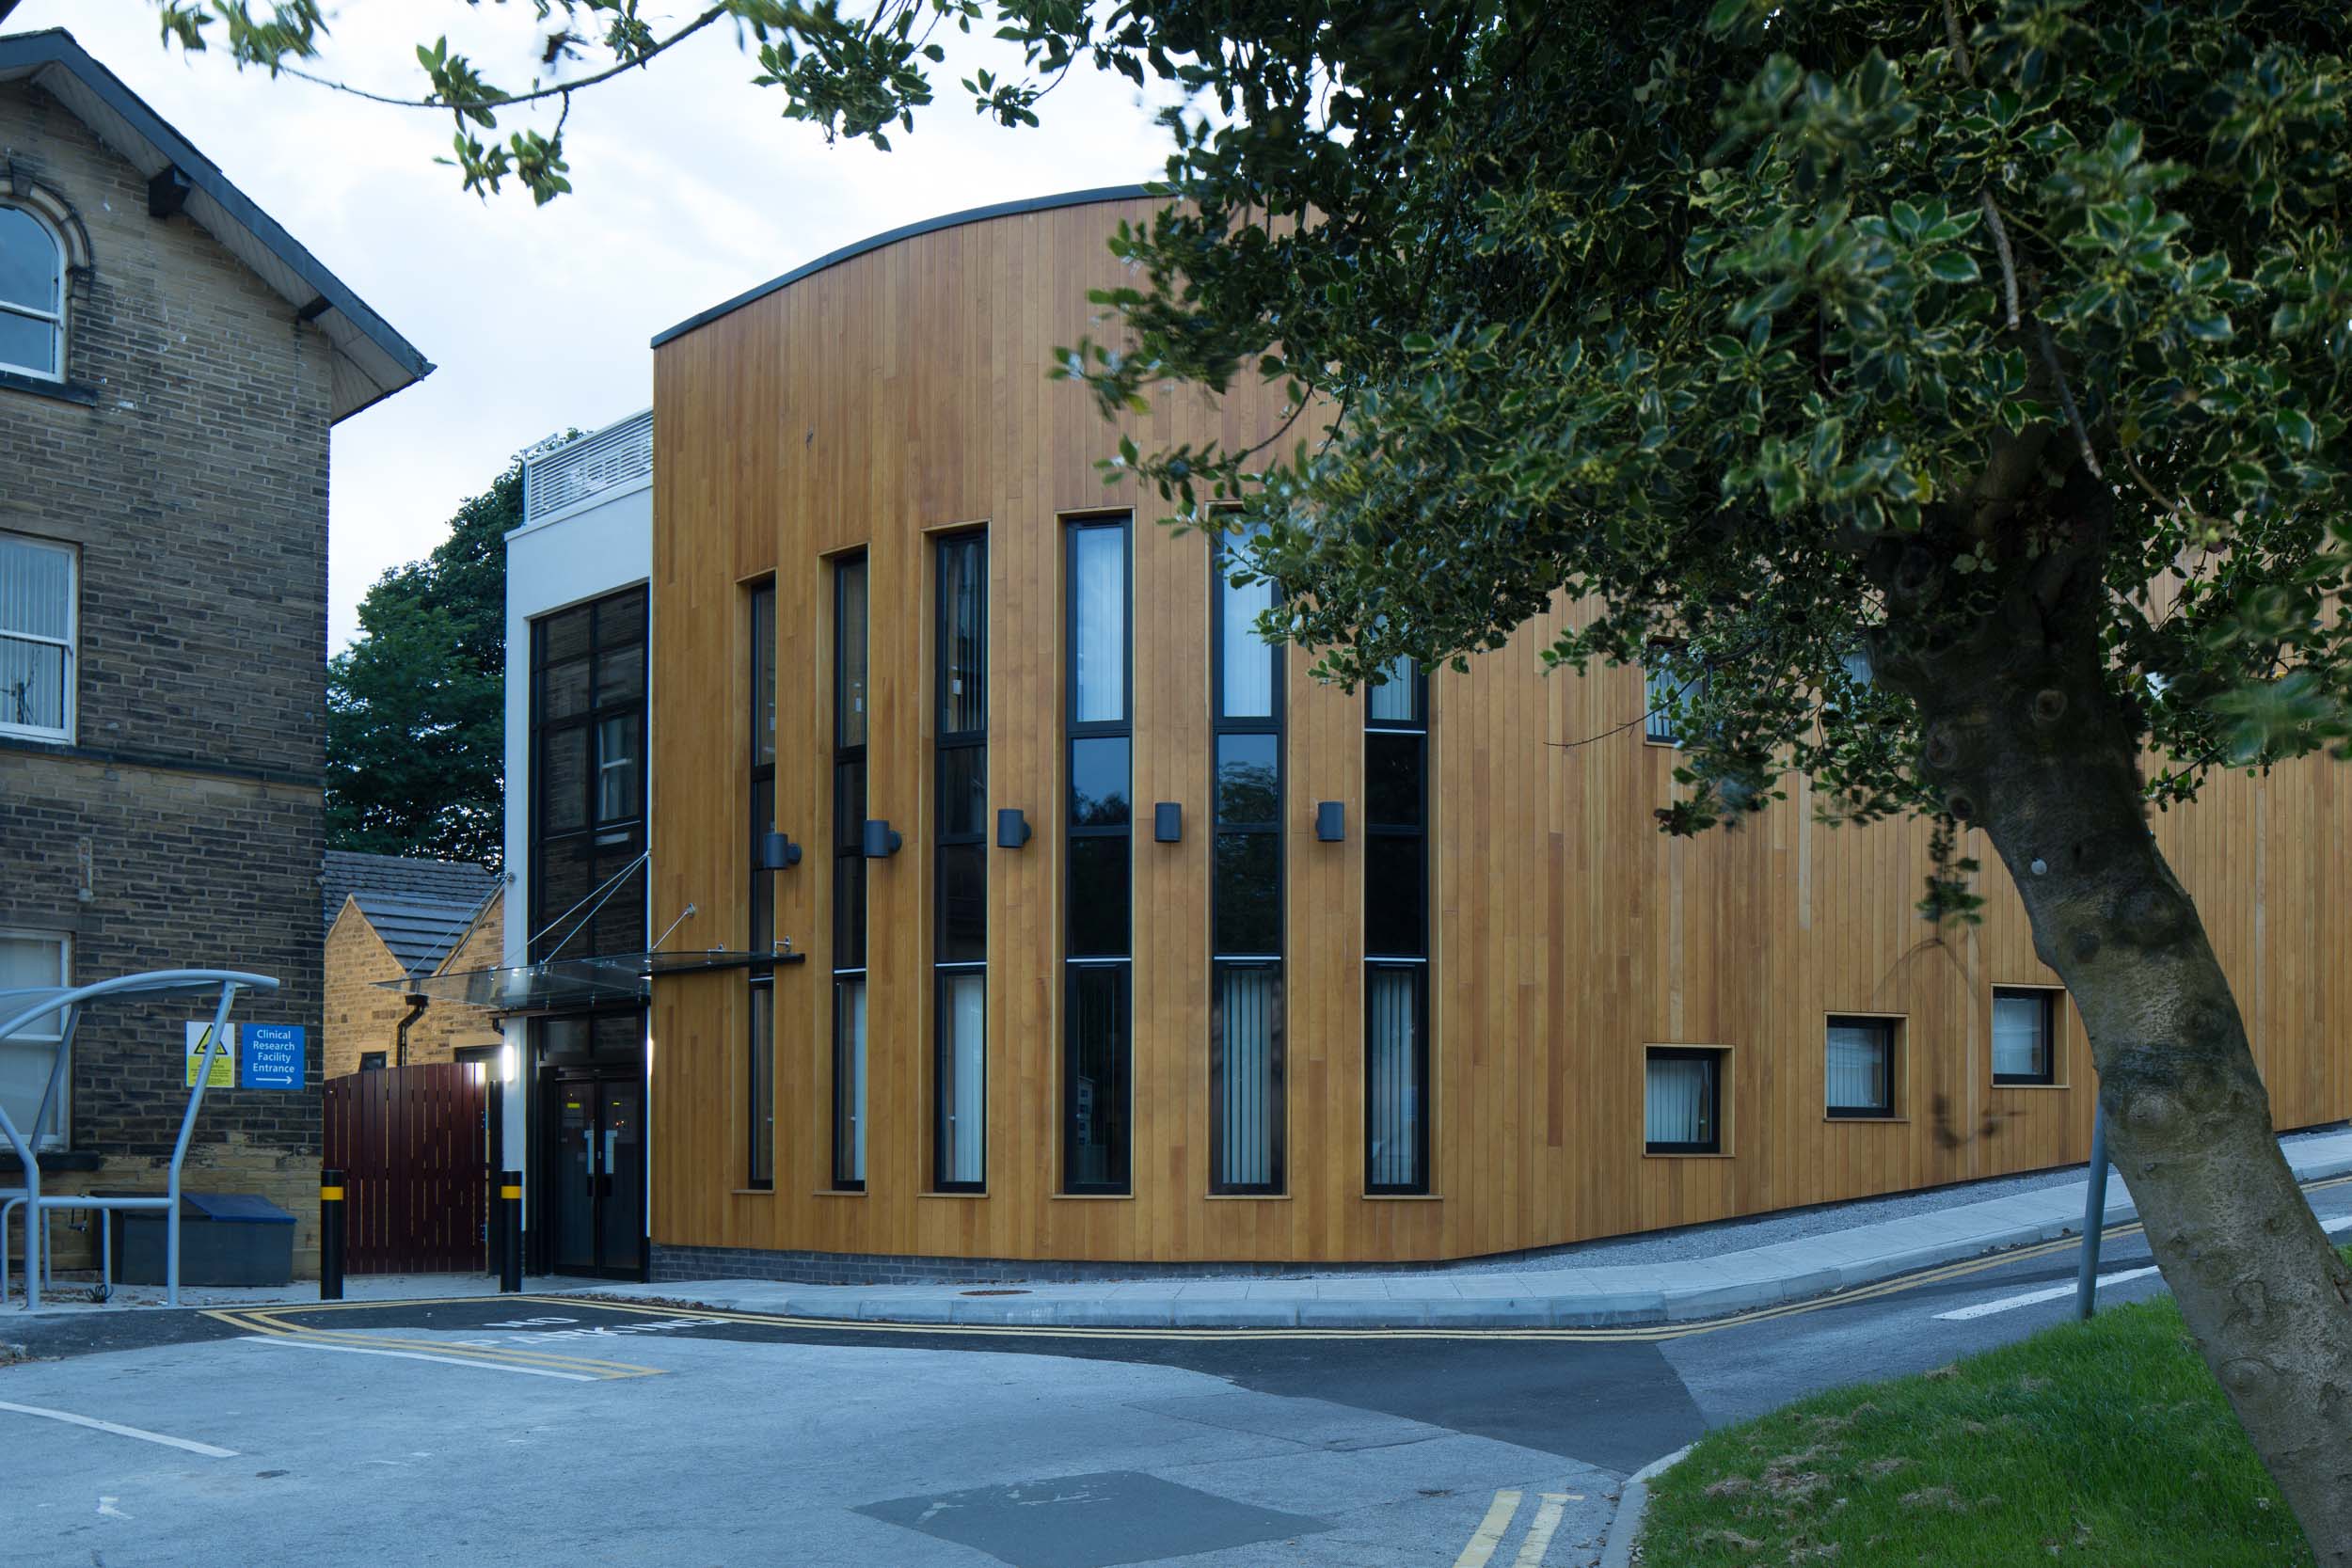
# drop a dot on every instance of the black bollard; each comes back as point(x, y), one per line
point(511, 1231)
point(330, 1234)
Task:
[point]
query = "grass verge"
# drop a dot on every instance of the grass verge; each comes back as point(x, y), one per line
point(2106, 1442)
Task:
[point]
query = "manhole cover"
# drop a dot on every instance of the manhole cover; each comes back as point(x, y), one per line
point(994, 1293)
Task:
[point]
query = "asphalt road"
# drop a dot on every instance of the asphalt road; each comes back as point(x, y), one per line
point(557, 1430)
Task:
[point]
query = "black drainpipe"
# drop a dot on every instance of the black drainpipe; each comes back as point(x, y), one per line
point(400, 1035)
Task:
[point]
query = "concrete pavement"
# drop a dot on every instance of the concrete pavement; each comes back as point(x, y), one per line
point(1568, 1297)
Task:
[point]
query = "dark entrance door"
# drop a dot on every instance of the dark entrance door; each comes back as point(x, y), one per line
point(596, 1179)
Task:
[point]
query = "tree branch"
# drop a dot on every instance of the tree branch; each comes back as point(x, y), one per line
point(562, 90)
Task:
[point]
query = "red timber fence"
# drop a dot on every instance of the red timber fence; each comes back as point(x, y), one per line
point(413, 1145)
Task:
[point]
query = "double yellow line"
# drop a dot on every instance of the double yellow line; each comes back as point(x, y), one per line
point(269, 1320)
point(1497, 1524)
point(1642, 1333)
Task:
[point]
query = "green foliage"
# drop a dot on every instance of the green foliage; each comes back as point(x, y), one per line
point(416, 708)
point(2105, 1442)
point(1777, 332)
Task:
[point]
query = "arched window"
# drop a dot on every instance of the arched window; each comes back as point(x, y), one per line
point(32, 295)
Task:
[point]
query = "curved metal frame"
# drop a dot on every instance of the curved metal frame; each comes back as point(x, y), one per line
point(70, 1001)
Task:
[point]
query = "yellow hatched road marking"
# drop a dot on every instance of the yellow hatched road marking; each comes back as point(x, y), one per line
point(258, 1322)
point(1490, 1531)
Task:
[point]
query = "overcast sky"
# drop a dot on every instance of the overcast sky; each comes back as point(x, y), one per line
point(689, 188)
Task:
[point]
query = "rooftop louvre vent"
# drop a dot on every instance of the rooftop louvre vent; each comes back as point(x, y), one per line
point(580, 470)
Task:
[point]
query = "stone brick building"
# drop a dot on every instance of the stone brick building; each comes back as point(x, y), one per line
point(392, 918)
point(171, 363)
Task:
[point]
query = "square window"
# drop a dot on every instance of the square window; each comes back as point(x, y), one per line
point(1860, 1066)
point(1682, 1108)
point(2025, 1035)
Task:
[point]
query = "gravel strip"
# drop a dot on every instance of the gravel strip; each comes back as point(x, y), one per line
point(1739, 1235)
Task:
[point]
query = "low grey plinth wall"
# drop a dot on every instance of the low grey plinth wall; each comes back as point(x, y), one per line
point(872, 1268)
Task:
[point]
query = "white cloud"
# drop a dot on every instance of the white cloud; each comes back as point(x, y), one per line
point(691, 187)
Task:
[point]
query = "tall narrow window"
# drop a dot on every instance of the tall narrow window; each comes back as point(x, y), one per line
point(588, 779)
point(849, 875)
point(29, 959)
point(1246, 1067)
point(960, 944)
point(1097, 1071)
point(760, 1098)
point(36, 614)
point(1396, 932)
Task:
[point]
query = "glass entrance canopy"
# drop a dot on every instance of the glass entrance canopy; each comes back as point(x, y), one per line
point(563, 985)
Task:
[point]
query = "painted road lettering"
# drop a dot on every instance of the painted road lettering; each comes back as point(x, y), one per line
point(595, 1331)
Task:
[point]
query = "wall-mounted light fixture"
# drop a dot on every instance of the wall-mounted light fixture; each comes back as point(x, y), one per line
point(1330, 820)
point(1168, 822)
point(774, 852)
point(882, 840)
point(1012, 828)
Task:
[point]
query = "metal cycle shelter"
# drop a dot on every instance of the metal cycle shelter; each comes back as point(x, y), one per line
point(21, 1009)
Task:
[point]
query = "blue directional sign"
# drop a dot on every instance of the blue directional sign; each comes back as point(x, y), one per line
point(272, 1057)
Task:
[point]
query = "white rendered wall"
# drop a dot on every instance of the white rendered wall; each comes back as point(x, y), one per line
point(597, 548)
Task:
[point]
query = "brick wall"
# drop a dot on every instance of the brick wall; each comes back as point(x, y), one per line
point(446, 1027)
point(184, 826)
point(360, 1017)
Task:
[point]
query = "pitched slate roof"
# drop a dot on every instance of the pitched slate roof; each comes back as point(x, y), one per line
point(420, 908)
point(371, 361)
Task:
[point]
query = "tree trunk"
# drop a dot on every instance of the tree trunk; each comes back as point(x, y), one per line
point(2024, 739)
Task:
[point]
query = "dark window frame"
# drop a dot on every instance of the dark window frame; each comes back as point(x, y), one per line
point(760, 1155)
point(848, 852)
point(588, 722)
point(1660, 727)
point(1416, 962)
point(1891, 1026)
point(1713, 1056)
point(1220, 962)
point(1418, 1185)
point(1073, 730)
point(2048, 1076)
point(947, 744)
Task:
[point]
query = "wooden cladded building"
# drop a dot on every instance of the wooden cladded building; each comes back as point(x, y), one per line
point(1261, 972)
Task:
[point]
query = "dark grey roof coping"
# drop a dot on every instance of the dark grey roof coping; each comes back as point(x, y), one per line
point(929, 225)
point(380, 361)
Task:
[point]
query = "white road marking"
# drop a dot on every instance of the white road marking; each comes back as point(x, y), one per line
point(120, 1431)
point(295, 1343)
point(2010, 1304)
point(1490, 1531)
point(2032, 1298)
point(1538, 1540)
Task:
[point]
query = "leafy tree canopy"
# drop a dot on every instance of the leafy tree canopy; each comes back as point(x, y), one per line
point(416, 707)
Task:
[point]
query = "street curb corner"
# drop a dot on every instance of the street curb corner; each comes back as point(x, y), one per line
point(1632, 1502)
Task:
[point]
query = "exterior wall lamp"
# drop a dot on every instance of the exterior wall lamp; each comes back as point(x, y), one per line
point(1012, 828)
point(1168, 822)
point(775, 852)
point(1331, 821)
point(882, 839)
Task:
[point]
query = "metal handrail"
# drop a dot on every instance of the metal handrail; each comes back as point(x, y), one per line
point(70, 1001)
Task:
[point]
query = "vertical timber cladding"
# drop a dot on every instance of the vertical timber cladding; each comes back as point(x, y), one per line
point(902, 393)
